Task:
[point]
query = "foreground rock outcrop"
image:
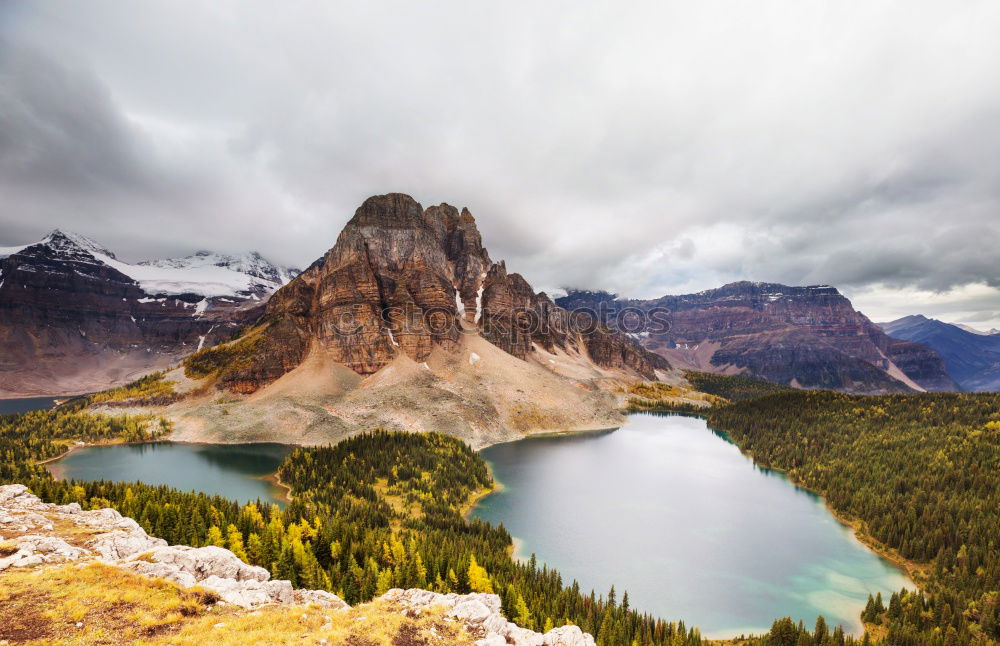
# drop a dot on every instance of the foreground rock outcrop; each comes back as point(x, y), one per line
point(38, 534)
point(49, 534)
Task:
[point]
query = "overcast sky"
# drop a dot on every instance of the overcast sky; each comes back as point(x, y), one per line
point(642, 147)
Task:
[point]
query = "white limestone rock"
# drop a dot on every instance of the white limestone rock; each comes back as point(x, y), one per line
point(203, 562)
point(165, 571)
point(9, 494)
point(320, 598)
point(492, 639)
point(21, 558)
point(50, 545)
point(482, 613)
point(121, 542)
point(118, 544)
point(249, 593)
point(107, 520)
point(568, 636)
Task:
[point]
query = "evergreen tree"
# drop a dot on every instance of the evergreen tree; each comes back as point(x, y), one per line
point(895, 607)
point(820, 634)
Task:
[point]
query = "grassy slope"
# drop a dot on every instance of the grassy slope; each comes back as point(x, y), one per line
point(99, 604)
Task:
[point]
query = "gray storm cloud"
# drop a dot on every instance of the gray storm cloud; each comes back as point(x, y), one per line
point(646, 148)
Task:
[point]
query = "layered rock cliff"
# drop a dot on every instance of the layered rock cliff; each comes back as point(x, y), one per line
point(808, 337)
point(74, 318)
point(407, 323)
point(402, 280)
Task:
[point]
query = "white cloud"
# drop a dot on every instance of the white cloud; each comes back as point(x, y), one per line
point(648, 148)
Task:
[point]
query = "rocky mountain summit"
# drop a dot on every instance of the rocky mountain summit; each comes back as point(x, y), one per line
point(35, 534)
point(407, 323)
point(74, 318)
point(808, 337)
point(402, 280)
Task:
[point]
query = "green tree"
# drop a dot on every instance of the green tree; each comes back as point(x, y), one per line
point(215, 537)
point(479, 579)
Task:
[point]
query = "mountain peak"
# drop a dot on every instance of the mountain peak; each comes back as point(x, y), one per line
point(392, 210)
point(57, 239)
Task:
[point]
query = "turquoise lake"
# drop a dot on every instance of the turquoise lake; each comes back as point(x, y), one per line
point(236, 471)
point(672, 512)
point(664, 508)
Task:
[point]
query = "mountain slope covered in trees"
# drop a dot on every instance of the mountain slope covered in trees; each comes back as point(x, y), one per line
point(920, 474)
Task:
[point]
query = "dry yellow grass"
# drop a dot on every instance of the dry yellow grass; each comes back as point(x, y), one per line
point(92, 604)
point(98, 604)
point(374, 624)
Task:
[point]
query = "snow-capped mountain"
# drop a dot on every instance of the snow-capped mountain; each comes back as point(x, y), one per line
point(73, 316)
point(969, 328)
point(204, 273)
point(69, 244)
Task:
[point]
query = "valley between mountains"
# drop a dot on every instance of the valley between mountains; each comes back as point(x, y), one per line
point(407, 323)
point(388, 364)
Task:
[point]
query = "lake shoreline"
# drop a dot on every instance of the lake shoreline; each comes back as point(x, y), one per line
point(559, 485)
point(90, 445)
point(275, 479)
point(242, 473)
point(915, 572)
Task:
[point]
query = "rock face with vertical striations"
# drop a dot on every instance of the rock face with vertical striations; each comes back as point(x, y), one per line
point(402, 280)
point(407, 323)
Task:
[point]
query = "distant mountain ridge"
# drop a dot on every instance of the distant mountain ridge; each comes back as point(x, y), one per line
point(969, 328)
point(972, 358)
point(807, 337)
point(73, 317)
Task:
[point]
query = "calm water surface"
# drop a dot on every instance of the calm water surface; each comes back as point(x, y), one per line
point(235, 471)
point(26, 404)
point(674, 513)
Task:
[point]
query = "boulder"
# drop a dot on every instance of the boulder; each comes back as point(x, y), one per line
point(20, 558)
point(165, 571)
point(9, 492)
point(118, 544)
point(567, 636)
point(204, 562)
point(320, 598)
point(249, 593)
point(481, 613)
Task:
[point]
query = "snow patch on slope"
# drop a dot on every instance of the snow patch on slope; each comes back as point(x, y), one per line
point(205, 274)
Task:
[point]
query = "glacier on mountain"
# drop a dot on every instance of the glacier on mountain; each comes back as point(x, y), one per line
point(204, 274)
